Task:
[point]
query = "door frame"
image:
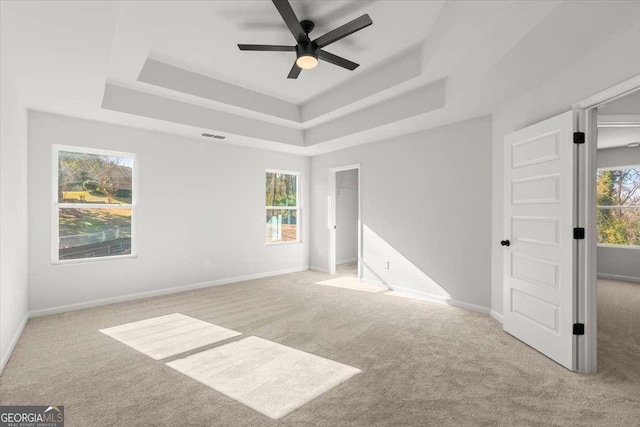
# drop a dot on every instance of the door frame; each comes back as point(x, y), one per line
point(585, 120)
point(331, 217)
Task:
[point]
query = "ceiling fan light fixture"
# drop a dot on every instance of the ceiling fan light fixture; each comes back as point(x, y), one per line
point(306, 55)
point(309, 51)
point(307, 61)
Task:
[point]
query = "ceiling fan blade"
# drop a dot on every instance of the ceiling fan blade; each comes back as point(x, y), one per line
point(295, 71)
point(337, 60)
point(267, 47)
point(289, 17)
point(343, 31)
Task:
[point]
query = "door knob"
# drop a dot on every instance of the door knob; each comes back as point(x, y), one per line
point(505, 243)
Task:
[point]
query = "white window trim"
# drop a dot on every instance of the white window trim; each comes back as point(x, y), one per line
point(618, 168)
point(297, 208)
point(612, 245)
point(56, 205)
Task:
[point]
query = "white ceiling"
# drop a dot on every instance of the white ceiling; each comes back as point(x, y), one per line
point(202, 36)
point(423, 63)
point(627, 105)
point(619, 122)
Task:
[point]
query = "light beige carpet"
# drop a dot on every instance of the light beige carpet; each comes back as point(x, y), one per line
point(164, 336)
point(401, 294)
point(354, 284)
point(423, 364)
point(269, 377)
point(347, 269)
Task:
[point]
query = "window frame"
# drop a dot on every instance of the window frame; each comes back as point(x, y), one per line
point(298, 207)
point(56, 205)
point(598, 207)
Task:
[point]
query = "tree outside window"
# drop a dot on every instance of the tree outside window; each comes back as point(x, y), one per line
point(281, 202)
point(618, 198)
point(93, 203)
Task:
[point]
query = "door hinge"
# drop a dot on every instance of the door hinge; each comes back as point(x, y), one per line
point(578, 329)
point(578, 138)
point(578, 233)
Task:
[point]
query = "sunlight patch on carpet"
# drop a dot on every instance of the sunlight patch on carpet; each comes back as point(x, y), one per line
point(269, 377)
point(166, 336)
point(354, 284)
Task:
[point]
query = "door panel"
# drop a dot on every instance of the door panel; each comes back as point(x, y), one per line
point(540, 189)
point(537, 150)
point(540, 230)
point(537, 271)
point(539, 219)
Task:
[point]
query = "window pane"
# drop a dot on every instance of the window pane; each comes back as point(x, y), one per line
point(282, 225)
point(91, 233)
point(619, 226)
point(281, 189)
point(92, 178)
point(619, 187)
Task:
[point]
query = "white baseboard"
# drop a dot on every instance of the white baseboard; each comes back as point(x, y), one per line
point(420, 295)
point(496, 316)
point(434, 298)
point(618, 277)
point(5, 357)
point(319, 269)
point(159, 292)
point(469, 306)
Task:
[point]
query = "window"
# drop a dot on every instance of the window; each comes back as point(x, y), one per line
point(619, 206)
point(94, 204)
point(281, 195)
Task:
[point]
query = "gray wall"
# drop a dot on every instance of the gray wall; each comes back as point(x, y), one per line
point(425, 208)
point(13, 217)
point(619, 262)
point(346, 216)
point(594, 71)
point(615, 157)
point(198, 199)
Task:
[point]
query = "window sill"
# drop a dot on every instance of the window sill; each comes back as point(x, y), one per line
point(604, 245)
point(283, 243)
point(93, 260)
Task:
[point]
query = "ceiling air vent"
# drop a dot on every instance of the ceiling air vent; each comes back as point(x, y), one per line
point(210, 135)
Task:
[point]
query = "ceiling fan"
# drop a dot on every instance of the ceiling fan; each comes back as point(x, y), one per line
point(307, 51)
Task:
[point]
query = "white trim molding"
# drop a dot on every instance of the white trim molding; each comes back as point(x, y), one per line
point(618, 277)
point(297, 208)
point(58, 205)
point(618, 121)
point(433, 298)
point(159, 292)
point(585, 112)
point(497, 316)
point(610, 94)
point(14, 341)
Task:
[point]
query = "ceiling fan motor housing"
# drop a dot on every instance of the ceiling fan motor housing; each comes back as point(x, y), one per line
point(307, 26)
point(307, 49)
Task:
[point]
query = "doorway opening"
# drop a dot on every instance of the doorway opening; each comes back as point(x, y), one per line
point(608, 287)
point(617, 227)
point(344, 221)
point(347, 223)
point(557, 223)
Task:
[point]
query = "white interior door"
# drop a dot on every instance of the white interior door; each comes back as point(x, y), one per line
point(539, 261)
